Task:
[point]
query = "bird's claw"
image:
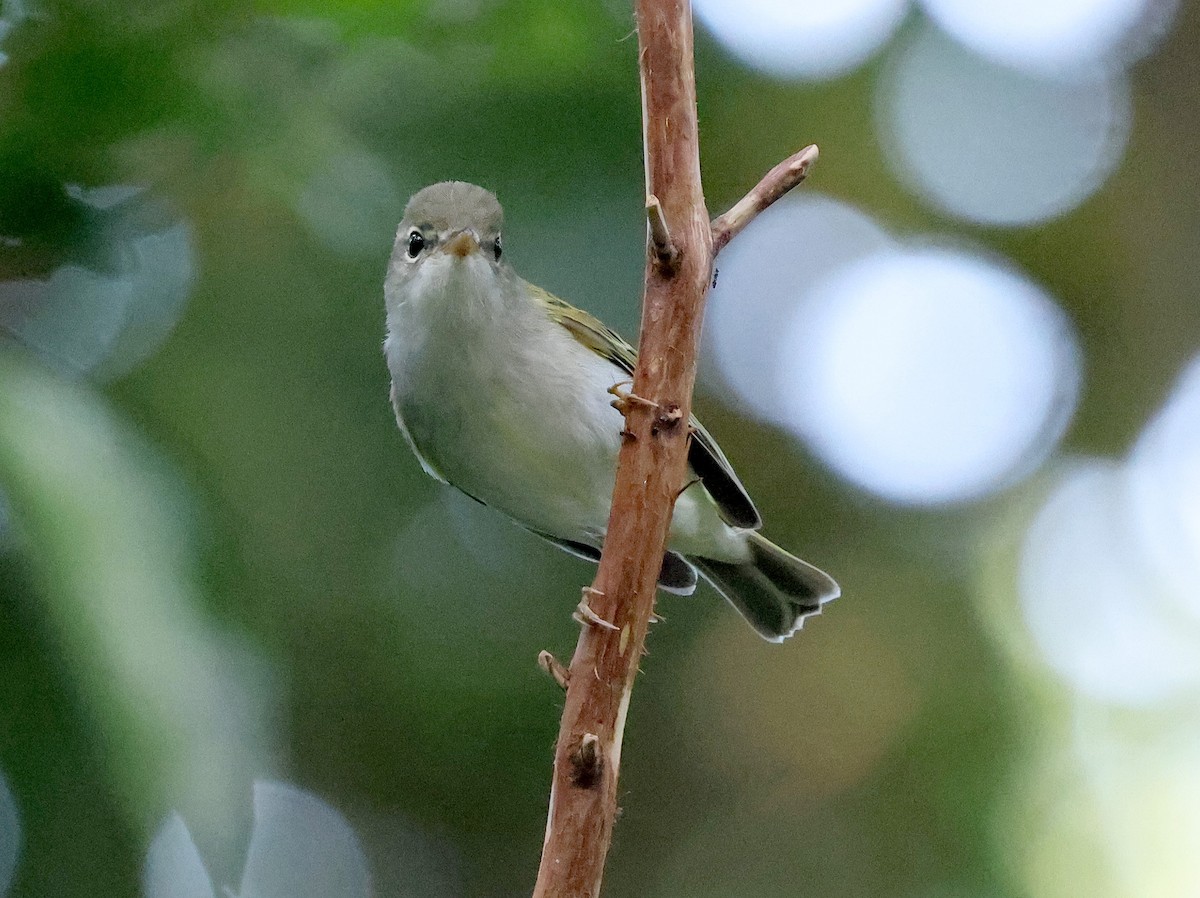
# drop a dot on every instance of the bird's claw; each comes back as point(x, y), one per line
point(625, 398)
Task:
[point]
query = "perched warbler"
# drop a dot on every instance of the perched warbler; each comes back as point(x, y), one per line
point(502, 390)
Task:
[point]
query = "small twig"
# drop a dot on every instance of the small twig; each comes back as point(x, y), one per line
point(554, 668)
point(777, 182)
point(666, 254)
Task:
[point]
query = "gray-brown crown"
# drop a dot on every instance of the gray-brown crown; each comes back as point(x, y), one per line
point(455, 204)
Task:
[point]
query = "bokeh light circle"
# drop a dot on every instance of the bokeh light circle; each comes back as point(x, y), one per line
point(763, 275)
point(929, 375)
point(802, 38)
point(994, 145)
point(1164, 488)
point(1107, 802)
point(1096, 615)
point(1053, 36)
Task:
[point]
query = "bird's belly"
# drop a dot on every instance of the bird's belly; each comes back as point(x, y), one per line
point(539, 446)
point(535, 440)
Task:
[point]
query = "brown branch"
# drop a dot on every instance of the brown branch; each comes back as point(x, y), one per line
point(617, 609)
point(651, 468)
point(775, 183)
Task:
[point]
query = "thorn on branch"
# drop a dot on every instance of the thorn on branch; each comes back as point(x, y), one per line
point(554, 668)
point(666, 254)
point(586, 763)
point(585, 615)
point(775, 184)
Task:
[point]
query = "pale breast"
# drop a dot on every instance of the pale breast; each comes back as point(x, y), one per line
point(518, 418)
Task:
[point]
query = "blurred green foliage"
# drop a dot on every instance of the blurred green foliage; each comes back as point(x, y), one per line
point(227, 563)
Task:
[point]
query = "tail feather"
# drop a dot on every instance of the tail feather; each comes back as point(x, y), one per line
point(773, 591)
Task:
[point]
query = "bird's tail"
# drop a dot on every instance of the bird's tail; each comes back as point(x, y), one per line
point(773, 591)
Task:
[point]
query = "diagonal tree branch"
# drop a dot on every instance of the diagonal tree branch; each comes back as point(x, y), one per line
point(618, 607)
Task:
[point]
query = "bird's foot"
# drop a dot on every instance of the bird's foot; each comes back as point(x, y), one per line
point(586, 616)
point(625, 398)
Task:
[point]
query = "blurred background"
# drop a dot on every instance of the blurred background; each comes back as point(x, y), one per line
point(246, 644)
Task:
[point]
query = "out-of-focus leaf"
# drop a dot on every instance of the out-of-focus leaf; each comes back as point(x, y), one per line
point(174, 868)
point(160, 275)
point(10, 836)
point(104, 317)
point(351, 203)
point(183, 705)
point(301, 848)
point(6, 536)
point(530, 42)
point(11, 14)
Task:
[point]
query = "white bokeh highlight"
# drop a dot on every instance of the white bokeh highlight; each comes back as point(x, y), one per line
point(993, 145)
point(1055, 35)
point(802, 39)
point(300, 847)
point(1110, 569)
point(1090, 602)
point(1163, 480)
point(763, 275)
point(928, 375)
point(1144, 778)
point(1108, 805)
point(174, 868)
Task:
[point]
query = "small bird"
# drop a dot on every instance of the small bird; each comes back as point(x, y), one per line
point(504, 391)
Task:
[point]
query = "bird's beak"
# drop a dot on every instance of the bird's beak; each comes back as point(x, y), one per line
point(462, 244)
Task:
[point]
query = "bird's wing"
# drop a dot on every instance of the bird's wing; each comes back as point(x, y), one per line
point(570, 546)
point(704, 455)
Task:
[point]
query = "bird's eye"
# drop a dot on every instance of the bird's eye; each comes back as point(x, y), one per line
point(496, 247)
point(416, 243)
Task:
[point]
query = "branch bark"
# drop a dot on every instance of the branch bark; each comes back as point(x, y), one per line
point(653, 459)
point(617, 608)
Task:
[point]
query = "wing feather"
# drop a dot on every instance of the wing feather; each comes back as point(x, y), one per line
point(704, 455)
